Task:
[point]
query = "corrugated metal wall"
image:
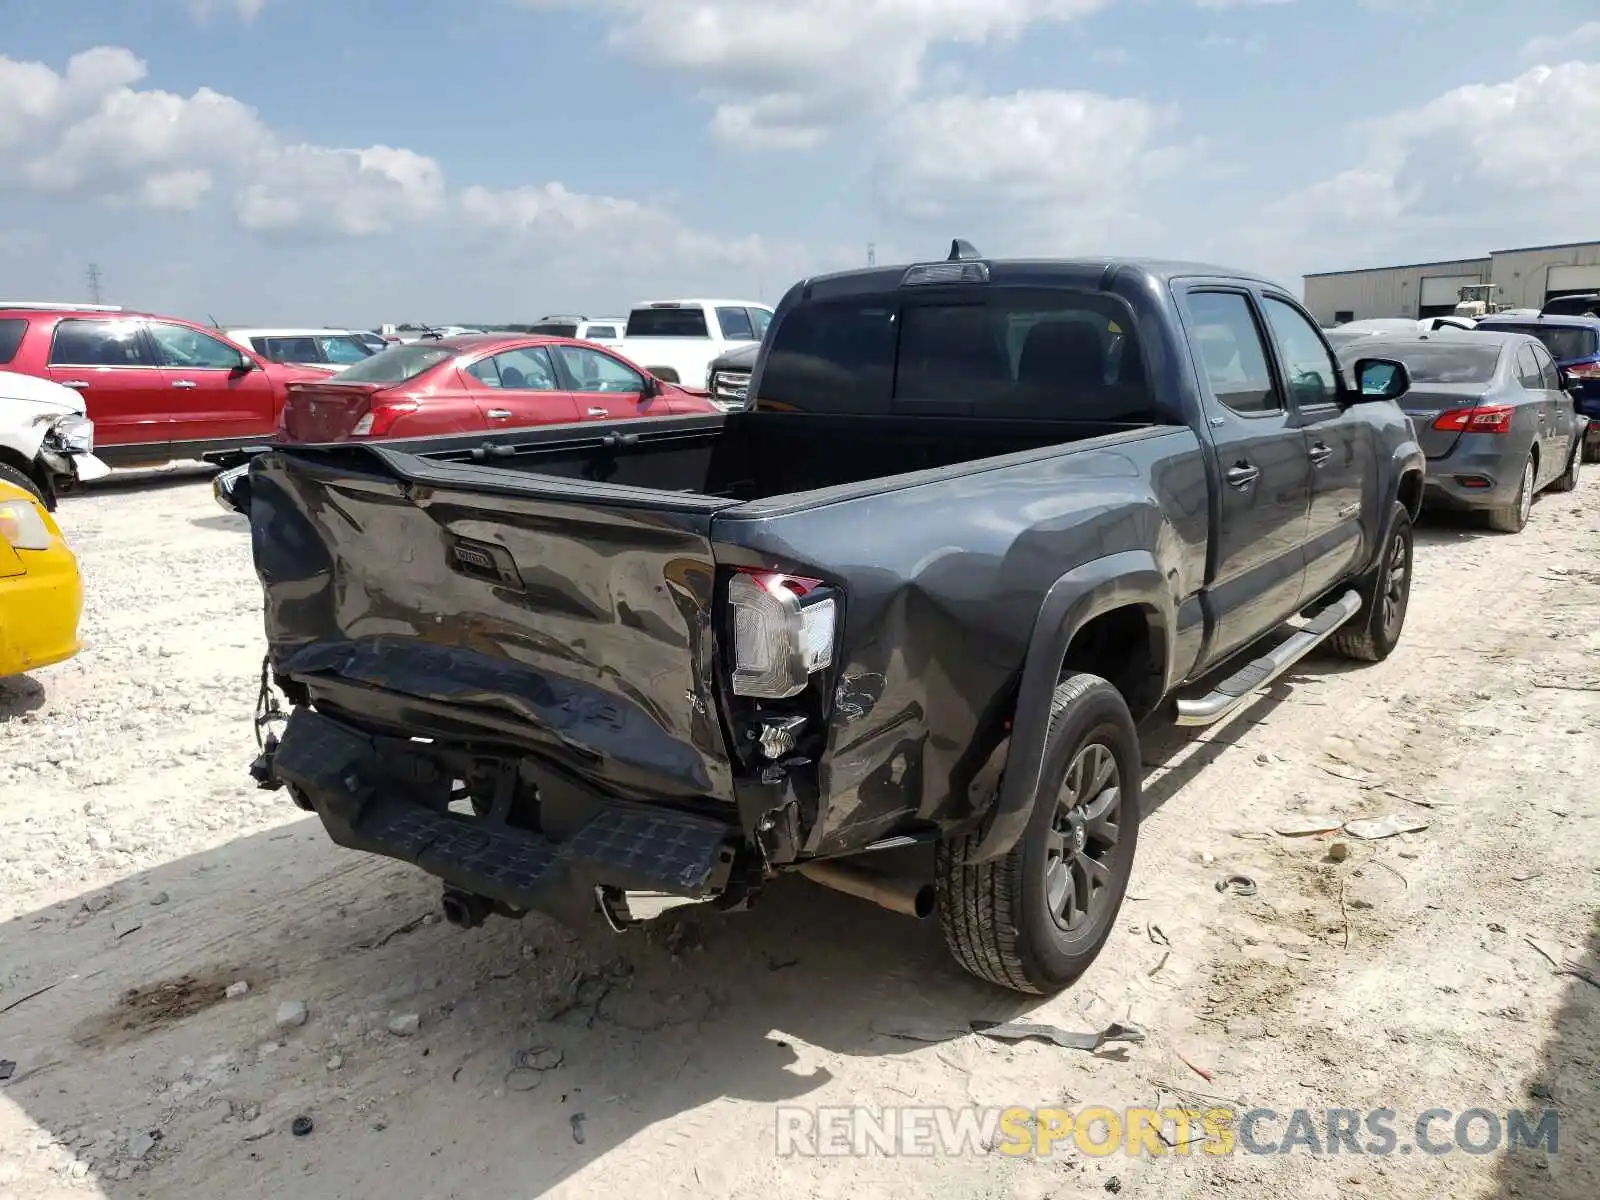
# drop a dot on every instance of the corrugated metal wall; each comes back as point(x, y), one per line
point(1384, 292)
point(1523, 277)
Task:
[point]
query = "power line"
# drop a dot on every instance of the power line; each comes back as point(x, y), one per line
point(93, 276)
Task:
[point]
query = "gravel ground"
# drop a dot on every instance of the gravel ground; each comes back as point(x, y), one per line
point(141, 876)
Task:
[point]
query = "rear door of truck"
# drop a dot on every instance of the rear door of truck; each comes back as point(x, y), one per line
point(567, 616)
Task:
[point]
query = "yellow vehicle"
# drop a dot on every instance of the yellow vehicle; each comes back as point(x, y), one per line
point(41, 593)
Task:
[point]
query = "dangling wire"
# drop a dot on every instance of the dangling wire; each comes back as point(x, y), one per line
point(268, 709)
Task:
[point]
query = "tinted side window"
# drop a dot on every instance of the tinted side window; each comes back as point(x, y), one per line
point(601, 331)
point(591, 371)
point(760, 318)
point(11, 331)
point(1312, 374)
point(528, 370)
point(736, 325)
point(1528, 373)
point(189, 349)
point(1547, 369)
point(99, 344)
point(1227, 345)
point(289, 349)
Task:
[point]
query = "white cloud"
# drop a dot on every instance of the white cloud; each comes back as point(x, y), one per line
point(1047, 171)
point(90, 133)
point(1564, 47)
point(245, 10)
point(781, 76)
point(1255, 43)
point(1440, 180)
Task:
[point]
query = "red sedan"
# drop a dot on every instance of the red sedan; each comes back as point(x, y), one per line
point(477, 382)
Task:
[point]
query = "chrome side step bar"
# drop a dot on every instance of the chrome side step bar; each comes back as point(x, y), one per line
point(1249, 679)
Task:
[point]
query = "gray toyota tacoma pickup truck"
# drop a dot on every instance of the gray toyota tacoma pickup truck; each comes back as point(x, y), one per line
point(981, 521)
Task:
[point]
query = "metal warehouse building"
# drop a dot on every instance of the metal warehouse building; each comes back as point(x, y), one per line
point(1526, 278)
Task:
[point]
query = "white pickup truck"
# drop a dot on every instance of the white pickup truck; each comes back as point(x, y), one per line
point(677, 340)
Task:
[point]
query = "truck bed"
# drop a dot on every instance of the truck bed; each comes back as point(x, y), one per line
point(740, 456)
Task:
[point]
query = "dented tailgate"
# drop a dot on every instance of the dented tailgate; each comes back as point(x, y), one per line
point(570, 618)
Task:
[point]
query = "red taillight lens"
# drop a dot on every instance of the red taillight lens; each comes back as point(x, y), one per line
point(1492, 418)
point(381, 417)
point(1588, 370)
point(783, 632)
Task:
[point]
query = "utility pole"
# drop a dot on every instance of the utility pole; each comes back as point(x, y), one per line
point(872, 254)
point(93, 276)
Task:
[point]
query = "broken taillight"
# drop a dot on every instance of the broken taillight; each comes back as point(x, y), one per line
point(783, 632)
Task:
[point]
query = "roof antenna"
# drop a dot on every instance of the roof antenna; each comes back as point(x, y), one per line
point(962, 251)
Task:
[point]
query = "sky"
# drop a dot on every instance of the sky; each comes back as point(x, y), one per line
point(333, 162)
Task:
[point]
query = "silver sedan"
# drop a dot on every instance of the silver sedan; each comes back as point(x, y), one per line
point(1492, 414)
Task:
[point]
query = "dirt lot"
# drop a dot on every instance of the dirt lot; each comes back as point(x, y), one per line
point(140, 875)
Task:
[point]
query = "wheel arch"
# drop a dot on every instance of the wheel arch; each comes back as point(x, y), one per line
point(1112, 613)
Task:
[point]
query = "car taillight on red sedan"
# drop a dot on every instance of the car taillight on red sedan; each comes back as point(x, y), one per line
point(783, 632)
point(1491, 418)
point(381, 417)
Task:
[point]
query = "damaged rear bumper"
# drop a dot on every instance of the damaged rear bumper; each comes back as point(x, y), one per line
point(391, 797)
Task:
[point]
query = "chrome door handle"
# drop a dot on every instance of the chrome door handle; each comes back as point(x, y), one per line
point(1243, 475)
point(184, 383)
point(599, 412)
point(75, 383)
point(498, 414)
point(1320, 454)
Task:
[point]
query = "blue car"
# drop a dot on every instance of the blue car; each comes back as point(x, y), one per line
point(1574, 342)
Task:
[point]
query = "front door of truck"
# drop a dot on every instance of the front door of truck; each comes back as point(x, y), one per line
point(1263, 490)
point(1339, 443)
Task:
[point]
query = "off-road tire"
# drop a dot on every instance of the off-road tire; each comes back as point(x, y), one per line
point(994, 914)
point(11, 475)
point(1513, 518)
point(1367, 636)
point(1568, 479)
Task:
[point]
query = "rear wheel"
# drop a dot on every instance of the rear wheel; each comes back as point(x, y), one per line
point(1034, 919)
point(1568, 479)
point(1372, 634)
point(1513, 518)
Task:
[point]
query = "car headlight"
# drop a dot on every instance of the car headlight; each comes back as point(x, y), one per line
point(73, 434)
point(22, 525)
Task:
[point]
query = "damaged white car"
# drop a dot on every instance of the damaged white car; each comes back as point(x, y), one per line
point(46, 437)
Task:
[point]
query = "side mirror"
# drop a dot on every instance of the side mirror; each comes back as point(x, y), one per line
point(650, 388)
point(1569, 381)
point(1381, 379)
point(246, 365)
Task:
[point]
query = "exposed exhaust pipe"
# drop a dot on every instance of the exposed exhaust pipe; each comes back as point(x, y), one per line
point(897, 895)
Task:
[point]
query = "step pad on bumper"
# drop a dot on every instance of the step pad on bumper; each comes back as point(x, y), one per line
point(366, 805)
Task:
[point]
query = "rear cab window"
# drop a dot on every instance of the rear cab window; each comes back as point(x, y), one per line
point(675, 321)
point(1011, 353)
point(11, 331)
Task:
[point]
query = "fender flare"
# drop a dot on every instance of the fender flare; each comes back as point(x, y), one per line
point(1075, 599)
